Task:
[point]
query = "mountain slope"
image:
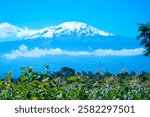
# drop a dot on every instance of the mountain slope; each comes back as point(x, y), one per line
point(76, 29)
point(67, 36)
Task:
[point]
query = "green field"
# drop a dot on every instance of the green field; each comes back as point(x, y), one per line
point(66, 84)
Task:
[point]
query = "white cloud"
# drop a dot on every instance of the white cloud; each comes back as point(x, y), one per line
point(25, 32)
point(123, 52)
point(10, 31)
point(23, 48)
point(23, 51)
point(36, 52)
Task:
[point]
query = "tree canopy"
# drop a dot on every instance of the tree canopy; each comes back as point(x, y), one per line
point(144, 36)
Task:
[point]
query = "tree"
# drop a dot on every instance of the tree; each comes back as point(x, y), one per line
point(65, 71)
point(144, 36)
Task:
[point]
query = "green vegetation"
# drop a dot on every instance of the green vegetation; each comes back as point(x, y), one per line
point(68, 85)
point(144, 36)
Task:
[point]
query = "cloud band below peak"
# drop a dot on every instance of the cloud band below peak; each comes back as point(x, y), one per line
point(23, 51)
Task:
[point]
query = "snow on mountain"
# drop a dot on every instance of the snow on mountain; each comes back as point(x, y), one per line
point(9, 32)
point(68, 29)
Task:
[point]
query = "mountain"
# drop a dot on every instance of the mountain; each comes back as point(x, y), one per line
point(76, 29)
point(73, 44)
point(68, 35)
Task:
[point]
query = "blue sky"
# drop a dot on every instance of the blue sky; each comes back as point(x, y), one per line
point(115, 16)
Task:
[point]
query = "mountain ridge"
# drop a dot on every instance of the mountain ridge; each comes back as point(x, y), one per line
point(76, 29)
point(70, 28)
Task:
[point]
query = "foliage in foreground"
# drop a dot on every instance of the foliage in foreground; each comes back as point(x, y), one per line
point(68, 85)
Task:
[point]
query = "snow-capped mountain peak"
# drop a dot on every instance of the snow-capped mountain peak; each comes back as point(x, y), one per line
point(73, 25)
point(9, 32)
point(70, 29)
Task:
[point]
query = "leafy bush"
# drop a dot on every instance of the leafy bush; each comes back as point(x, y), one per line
point(68, 85)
